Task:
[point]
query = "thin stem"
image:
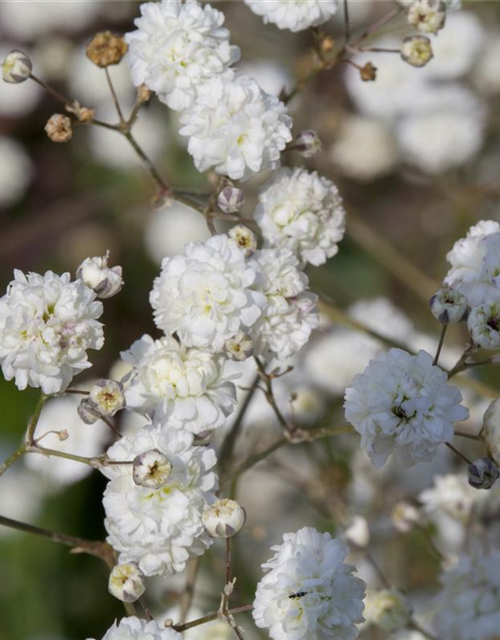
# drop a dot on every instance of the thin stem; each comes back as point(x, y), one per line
point(379, 50)
point(429, 540)
point(376, 26)
point(270, 396)
point(145, 608)
point(347, 24)
point(470, 436)
point(210, 617)
point(146, 162)
point(55, 94)
point(458, 453)
point(440, 343)
point(11, 459)
point(95, 462)
point(106, 125)
point(80, 392)
point(257, 457)
point(113, 95)
point(228, 560)
point(188, 594)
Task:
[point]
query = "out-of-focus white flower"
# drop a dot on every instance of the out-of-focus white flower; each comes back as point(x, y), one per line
point(224, 518)
point(449, 306)
point(470, 599)
point(61, 414)
point(170, 228)
point(271, 76)
point(389, 610)
point(404, 516)
point(138, 629)
point(451, 496)
point(95, 273)
point(302, 212)
point(427, 16)
point(235, 128)
point(206, 296)
point(180, 387)
point(47, 323)
point(16, 171)
point(457, 47)
point(159, 529)
point(176, 47)
point(294, 15)
point(490, 431)
point(364, 149)
point(484, 325)
point(402, 404)
point(486, 74)
point(127, 582)
point(290, 312)
point(308, 592)
point(358, 532)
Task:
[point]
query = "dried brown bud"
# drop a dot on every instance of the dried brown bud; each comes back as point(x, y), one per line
point(368, 73)
point(144, 94)
point(59, 128)
point(106, 49)
point(327, 44)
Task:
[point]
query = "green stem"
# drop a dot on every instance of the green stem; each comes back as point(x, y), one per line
point(210, 617)
point(440, 343)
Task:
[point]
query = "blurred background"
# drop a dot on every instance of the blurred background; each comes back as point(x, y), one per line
point(416, 156)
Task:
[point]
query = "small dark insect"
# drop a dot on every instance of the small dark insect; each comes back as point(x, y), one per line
point(299, 594)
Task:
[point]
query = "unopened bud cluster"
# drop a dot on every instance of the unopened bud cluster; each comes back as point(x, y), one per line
point(59, 128)
point(105, 281)
point(106, 49)
point(151, 469)
point(127, 582)
point(231, 199)
point(483, 473)
point(416, 50)
point(104, 400)
point(428, 16)
point(244, 238)
point(16, 67)
point(307, 143)
point(224, 518)
point(449, 306)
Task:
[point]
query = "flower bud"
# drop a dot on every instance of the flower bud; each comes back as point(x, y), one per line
point(144, 94)
point(389, 610)
point(484, 325)
point(449, 306)
point(239, 347)
point(106, 49)
point(127, 582)
point(428, 16)
point(62, 435)
point(404, 516)
point(416, 50)
point(307, 143)
point(105, 281)
point(224, 518)
point(151, 469)
point(88, 411)
point(490, 431)
point(483, 473)
point(368, 73)
point(108, 397)
point(59, 128)
point(244, 238)
point(16, 67)
point(231, 199)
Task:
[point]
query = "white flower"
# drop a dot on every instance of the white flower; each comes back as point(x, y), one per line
point(16, 171)
point(467, 258)
point(224, 518)
point(303, 212)
point(470, 600)
point(206, 296)
point(402, 403)
point(181, 387)
point(62, 414)
point(451, 496)
point(295, 15)
point(487, 72)
point(236, 128)
point(176, 47)
point(16, 67)
point(137, 629)
point(390, 610)
point(449, 306)
point(47, 323)
point(484, 325)
point(427, 16)
point(159, 529)
point(127, 582)
point(308, 592)
point(105, 281)
point(290, 312)
point(365, 149)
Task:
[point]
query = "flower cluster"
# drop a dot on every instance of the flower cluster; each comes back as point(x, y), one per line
point(133, 628)
point(403, 404)
point(182, 52)
point(159, 527)
point(294, 15)
point(309, 592)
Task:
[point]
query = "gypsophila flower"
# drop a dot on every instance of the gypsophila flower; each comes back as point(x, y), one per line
point(290, 313)
point(224, 518)
point(449, 306)
point(207, 295)
point(301, 211)
point(127, 582)
point(47, 323)
point(294, 15)
point(483, 473)
point(416, 50)
point(159, 529)
point(107, 396)
point(151, 469)
point(490, 431)
point(470, 600)
point(182, 387)
point(231, 199)
point(358, 532)
point(308, 592)
point(133, 628)
point(239, 347)
point(176, 47)
point(389, 610)
point(16, 67)
point(402, 404)
point(307, 143)
point(236, 128)
point(427, 16)
point(245, 238)
point(484, 325)
point(105, 281)
point(404, 516)
point(450, 496)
